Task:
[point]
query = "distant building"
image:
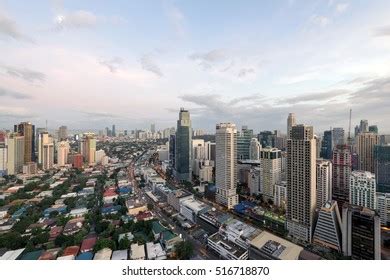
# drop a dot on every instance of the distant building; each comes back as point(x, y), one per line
point(365, 150)
point(327, 145)
point(361, 233)
point(191, 208)
point(338, 136)
point(15, 154)
point(324, 182)
point(291, 121)
point(342, 168)
point(183, 147)
point(46, 150)
point(27, 130)
point(244, 138)
point(362, 189)
point(383, 206)
point(382, 167)
point(63, 149)
point(62, 133)
point(255, 149)
point(271, 169)
point(280, 197)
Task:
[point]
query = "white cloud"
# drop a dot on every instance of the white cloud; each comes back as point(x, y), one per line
point(148, 64)
point(9, 28)
point(320, 20)
point(75, 19)
point(341, 7)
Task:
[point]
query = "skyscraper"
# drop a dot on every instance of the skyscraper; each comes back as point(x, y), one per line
point(271, 171)
point(255, 149)
point(363, 126)
point(362, 189)
point(382, 167)
point(338, 136)
point(62, 133)
point(183, 147)
point(373, 129)
point(342, 168)
point(324, 182)
point(301, 182)
point(383, 206)
point(27, 130)
point(15, 154)
point(361, 233)
point(3, 157)
point(153, 128)
point(291, 121)
point(226, 164)
point(172, 148)
point(243, 143)
point(113, 132)
point(46, 151)
point(365, 150)
point(327, 145)
point(88, 148)
point(63, 149)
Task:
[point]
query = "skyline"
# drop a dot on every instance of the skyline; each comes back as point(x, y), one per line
point(91, 64)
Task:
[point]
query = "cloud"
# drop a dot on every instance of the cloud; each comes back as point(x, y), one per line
point(208, 59)
point(9, 28)
point(112, 64)
point(341, 7)
point(148, 64)
point(314, 97)
point(10, 113)
point(177, 18)
point(245, 71)
point(13, 94)
point(75, 20)
point(320, 20)
point(24, 74)
point(382, 31)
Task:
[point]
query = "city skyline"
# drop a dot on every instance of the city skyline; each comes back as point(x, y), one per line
point(69, 62)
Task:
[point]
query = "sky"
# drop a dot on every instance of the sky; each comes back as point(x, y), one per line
point(89, 64)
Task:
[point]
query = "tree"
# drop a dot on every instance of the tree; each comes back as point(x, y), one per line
point(53, 214)
point(124, 243)
point(104, 243)
point(64, 240)
point(184, 250)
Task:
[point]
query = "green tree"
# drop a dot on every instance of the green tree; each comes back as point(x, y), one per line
point(124, 243)
point(104, 243)
point(184, 250)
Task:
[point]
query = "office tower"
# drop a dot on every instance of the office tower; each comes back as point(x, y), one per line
point(183, 147)
point(327, 145)
point(301, 182)
point(153, 128)
point(27, 130)
point(363, 126)
point(113, 131)
point(62, 133)
point(342, 168)
point(226, 164)
point(88, 148)
point(255, 149)
point(357, 130)
point(318, 146)
point(3, 158)
point(382, 167)
point(254, 184)
point(383, 207)
point(361, 233)
point(365, 150)
point(291, 121)
point(243, 143)
point(327, 232)
point(198, 149)
point(324, 182)
point(280, 141)
point(15, 154)
point(271, 171)
point(280, 196)
point(373, 129)
point(266, 138)
point(384, 139)
point(63, 150)
point(362, 190)
point(172, 147)
point(338, 136)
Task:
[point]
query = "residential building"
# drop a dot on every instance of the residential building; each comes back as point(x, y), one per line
point(63, 149)
point(255, 149)
point(226, 164)
point(62, 133)
point(342, 168)
point(362, 189)
point(15, 154)
point(365, 150)
point(27, 130)
point(291, 121)
point(338, 136)
point(324, 182)
point(301, 182)
point(271, 171)
point(383, 206)
point(280, 196)
point(327, 145)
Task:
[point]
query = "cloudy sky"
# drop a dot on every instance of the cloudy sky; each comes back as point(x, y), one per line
point(88, 64)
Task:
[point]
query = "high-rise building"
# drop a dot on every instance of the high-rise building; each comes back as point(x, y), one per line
point(291, 121)
point(226, 164)
point(271, 171)
point(383, 206)
point(254, 149)
point(384, 139)
point(45, 150)
point(3, 158)
point(63, 150)
point(342, 168)
point(62, 133)
point(15, 154)
point(113, 132)
point(243, 143)
point(183, 147)
point(363, 126)
point(361, 233)
point(324, 182)
point(153, 128)
point(365, 150)
point(327, 145)
point(254, 184)
point(280, 196)
point(327, 232)
point(301, 182)
point(27, 130)
point(88, 148)
point(373, 129)
point(382, 167)
point(172, 147)
point(266, 138)
point(318, 146)
point(338, 136)
point(362, 189)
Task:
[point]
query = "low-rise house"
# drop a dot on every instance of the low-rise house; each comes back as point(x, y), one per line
point(110, 209)
point(55, 231)
point(110, 195)
point(119, 255)
point(32, 256)
point(87, 256)
point(50, 254)
point(78, 212)
point(73, 226)
point(137, 252)
point(12, 255)
point(3, 211)
point(154, 251)
point(103, 254)
point(88, 244)
point(135, 206)
point(71, 251)
point(66, 258)
point(60, 209)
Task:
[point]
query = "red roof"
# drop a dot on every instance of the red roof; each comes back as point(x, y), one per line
point(55, 231)
point(47, 256)
point(144, 215)
point(110, 192)
point(88, 244)
point(71, 251)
